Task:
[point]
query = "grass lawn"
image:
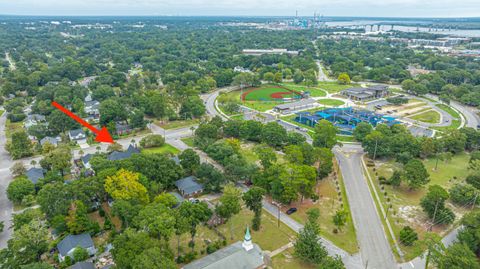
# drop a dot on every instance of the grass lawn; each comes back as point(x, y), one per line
point(430, 116)
point(261, 106)
point(328, 204)
point(314, 92)
point(1, 112)
point(331, 102)
point(449, 110)
point(188, 141)
point(167, 148)
point(287, 260)
point(203, 235)
point(269, 237)
point(268, 93)
point(346, 138)
point(177, 123)
point(236, 117)
point(333, 86)
point(405, 202)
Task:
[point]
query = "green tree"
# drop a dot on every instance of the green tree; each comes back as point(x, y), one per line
point(344, 79)
point(18, 169)
point(19, 188)
point(433, 203)
point(125, 185)
point(29, 242)
point(298, 77)
point(458, 256)
point(154, 258)
point(415, 174)
point(408, 236)
point(253, 200)
point(362, 130)
point(269, 76)
point(80, 254)
point(266, 155)
point(129, 245)
point(20, 146)
point(273, 134)
point(278, 77)
point(77, 220)
point(157, 220)
point(463, 194)
point(325, 135)
point(229, 204)
point(307, 246)
point(58, 160)
point(194, 214)
point(152, 140)
point(340, 219)
point(189, 160)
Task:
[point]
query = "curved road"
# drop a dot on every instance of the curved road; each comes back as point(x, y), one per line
point(6, 207)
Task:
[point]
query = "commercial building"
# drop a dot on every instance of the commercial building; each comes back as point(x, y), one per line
point(365, 94)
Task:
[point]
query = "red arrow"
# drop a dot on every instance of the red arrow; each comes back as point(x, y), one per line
point(102, 135)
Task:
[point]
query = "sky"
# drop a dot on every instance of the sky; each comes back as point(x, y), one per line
point(360, 8)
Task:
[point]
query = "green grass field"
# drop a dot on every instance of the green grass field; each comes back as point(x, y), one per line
point(449, 110)
point(1, 112)
point(176, 124)
point(265, 92)
point(334, 87)
point(331, 102)
point(429, 116)
point(188, 141)
point(314, 92)
point(167, 148)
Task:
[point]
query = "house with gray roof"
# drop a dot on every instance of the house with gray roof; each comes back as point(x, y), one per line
point(86, 160)
point(52, 140)
point(189, 186)
point(121, 155)
point(82, 265)
point(35, 174)
point(34, 119)
point(70, 242)
point(239, 255)
point(77, 135)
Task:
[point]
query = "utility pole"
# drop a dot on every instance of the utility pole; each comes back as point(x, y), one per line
point(278, 220)
point(375, 151)
point(434, 215)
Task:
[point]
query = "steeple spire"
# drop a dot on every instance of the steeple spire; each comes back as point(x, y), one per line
point(247, 240)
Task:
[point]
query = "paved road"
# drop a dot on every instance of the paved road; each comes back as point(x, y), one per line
point(470, 113)
point(374, 246)
point(6, 207)
point(321, 75)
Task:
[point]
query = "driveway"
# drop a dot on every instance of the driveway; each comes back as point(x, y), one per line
point(6, 207)
point(374, 246)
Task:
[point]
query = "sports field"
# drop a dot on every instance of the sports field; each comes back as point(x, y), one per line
point(269, 93)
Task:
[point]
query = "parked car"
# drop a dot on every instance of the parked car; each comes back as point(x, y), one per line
point(194, 200)
point(291, 210)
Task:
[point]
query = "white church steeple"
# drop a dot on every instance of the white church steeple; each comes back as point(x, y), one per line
point(247, 240)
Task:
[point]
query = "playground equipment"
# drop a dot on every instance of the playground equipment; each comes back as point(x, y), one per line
point(346, 119)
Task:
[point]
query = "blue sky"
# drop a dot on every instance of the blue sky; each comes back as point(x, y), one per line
point(381, 8)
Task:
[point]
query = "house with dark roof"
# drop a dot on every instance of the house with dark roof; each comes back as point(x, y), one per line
point(34, 119)
point(52, 140)
point(77, 135)
point(83, 265)
point(239, 255)
point(189, 186)
point(86, 160)
point(122, 128)
point(121, 155)
point(35, 174)
point(70, 242)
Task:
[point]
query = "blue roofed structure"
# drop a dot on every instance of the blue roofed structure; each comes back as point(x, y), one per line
point(35, 174)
